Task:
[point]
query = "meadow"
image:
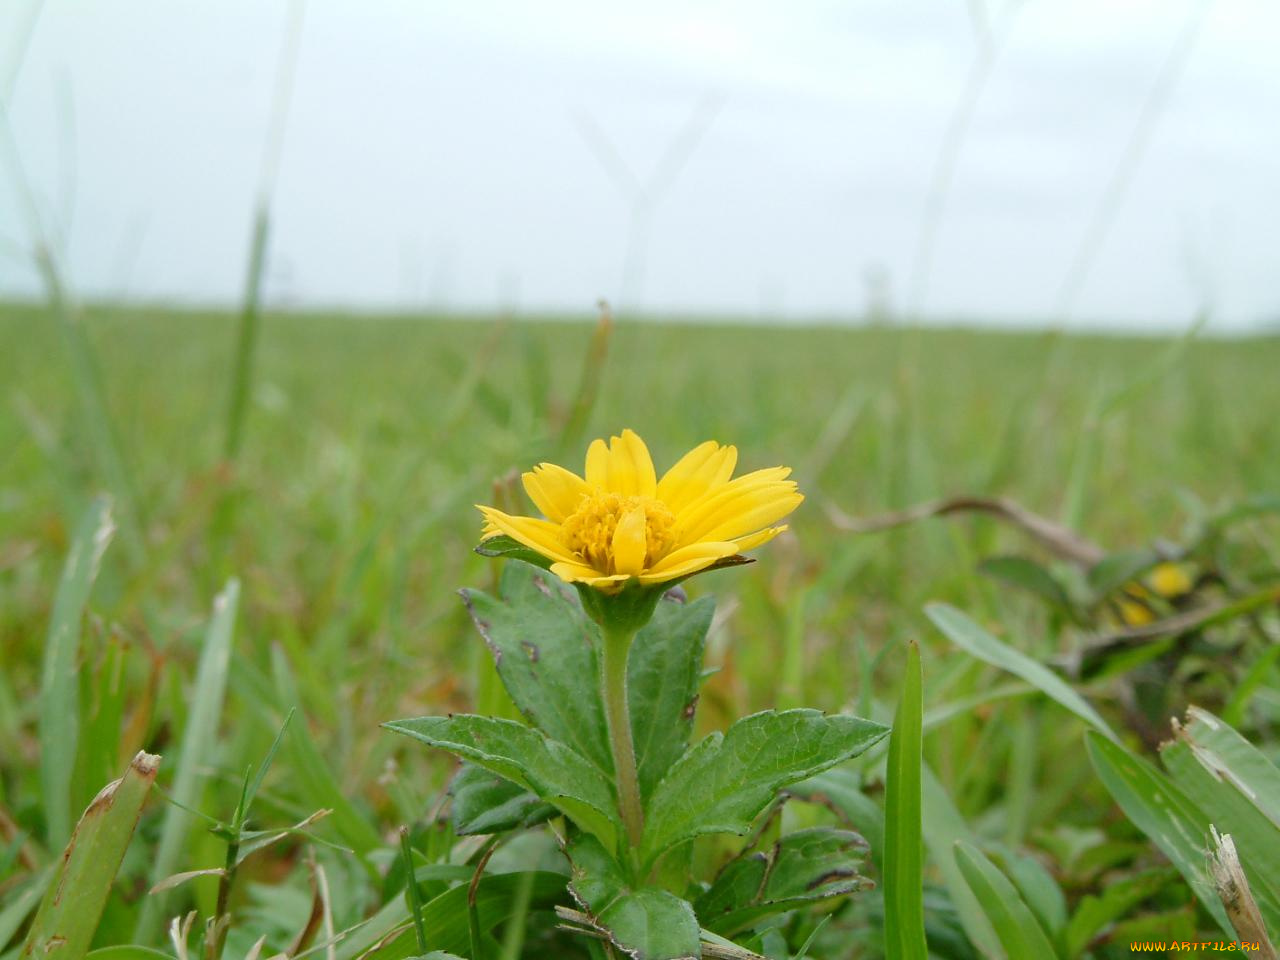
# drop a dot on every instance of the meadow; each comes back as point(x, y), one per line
point(347, 521)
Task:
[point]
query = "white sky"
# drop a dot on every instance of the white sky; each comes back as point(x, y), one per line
point(434, 154)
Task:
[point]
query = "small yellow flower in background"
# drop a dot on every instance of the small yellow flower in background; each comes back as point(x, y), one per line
point(619, 521)
point(1135, 614)
point(1169, 580)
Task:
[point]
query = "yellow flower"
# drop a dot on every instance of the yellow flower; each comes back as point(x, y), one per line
point(622, 523)
point(1169, 580)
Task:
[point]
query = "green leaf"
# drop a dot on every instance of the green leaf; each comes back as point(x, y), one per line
point(1233, 759)
point(1115, 570)
point(60, 679)
point(1229, 799)
point(904, 937)
point(1160, 810)
point(970, 637)
point(799, 869)
point(511, 549)
point(1029, 575)
point(840, 791)
point(197, 747)
point(1039, 891)
point(545, 649)
point(21, 904)
point(646, 923)
point(554, 772)
point(943, 827)
point(1016, 926)
point(663, 675)
point(316, 784)
point(723, 782)
point(73, 904)
point(485, 803)
point(445, 917)
point(1116, 899)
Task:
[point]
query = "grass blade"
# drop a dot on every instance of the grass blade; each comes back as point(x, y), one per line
point(904, 844)
point(60, 681)
point(72, 906)
point(1160, 810)
point(197, 743)
point(1016, 926)
point(970, 637)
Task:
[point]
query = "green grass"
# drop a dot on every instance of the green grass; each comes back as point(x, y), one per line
point(365, 443)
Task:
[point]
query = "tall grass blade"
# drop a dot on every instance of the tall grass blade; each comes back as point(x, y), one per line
point(197, 746)
point(69, 914)
point(247, 332)
point(974, 640)
point(904, 937)
point(60, 681)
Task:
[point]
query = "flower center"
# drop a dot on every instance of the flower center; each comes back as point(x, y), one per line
point(588, 532)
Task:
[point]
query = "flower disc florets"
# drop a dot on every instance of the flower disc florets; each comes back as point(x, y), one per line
point(590, 531)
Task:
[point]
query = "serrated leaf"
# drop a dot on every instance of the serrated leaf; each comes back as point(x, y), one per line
point(483, 802)
point(1016, 926)
point(1159, 809)
point(723, 782)
point(646, 923)
point(561, 777)
point(545, 650)
point(663, 674)
point(800, 868)
point(967, 635)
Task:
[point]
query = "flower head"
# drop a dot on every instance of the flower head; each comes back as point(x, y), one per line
point(619, 522)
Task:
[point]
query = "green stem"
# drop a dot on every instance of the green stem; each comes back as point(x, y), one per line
point(613, 691)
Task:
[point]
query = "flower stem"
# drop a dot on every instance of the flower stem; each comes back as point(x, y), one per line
point(613, 691)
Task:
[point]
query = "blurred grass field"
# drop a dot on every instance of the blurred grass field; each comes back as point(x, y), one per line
point(349, 523)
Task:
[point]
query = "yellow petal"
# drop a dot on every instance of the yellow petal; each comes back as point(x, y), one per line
point(581, 573)
point(756, 539)
point(630, 466)
point(718, 505)
point(540, 535)
point(554, 490)
point(706, 466)
point(687, 560)
point(597, 467)
point(630, 543)
point(759, 514)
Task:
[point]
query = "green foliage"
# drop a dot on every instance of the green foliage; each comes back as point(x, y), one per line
point(799, 869)
point(1020, 933)
point(367, 443)
point(69, 914)
point(904, 843)
point(59, 682)
point(723, 782)
point(647, 923)
point(553, 771)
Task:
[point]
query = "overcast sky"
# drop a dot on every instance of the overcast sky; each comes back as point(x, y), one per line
point(453, 155)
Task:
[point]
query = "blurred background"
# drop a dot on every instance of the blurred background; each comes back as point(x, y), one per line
point(286, 288)
point(1101, 163)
